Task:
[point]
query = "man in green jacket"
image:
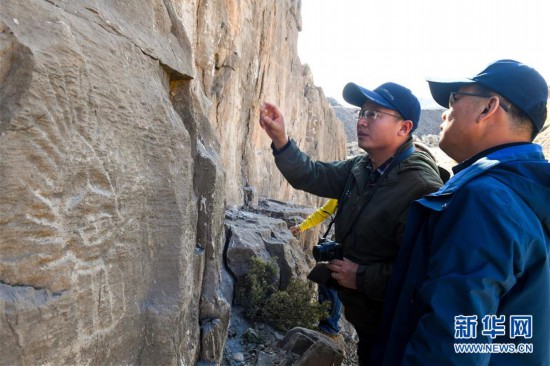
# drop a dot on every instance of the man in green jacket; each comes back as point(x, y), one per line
point(374, 193)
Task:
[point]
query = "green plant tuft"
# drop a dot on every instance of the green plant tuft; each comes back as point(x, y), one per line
point(295, 306)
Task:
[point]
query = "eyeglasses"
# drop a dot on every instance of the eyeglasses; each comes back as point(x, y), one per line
point(452, 98)
point(372, 114)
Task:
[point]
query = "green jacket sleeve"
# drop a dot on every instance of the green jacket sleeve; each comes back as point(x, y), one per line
point(316, 177)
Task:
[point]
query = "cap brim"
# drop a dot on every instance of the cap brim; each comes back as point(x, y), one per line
point(357, 96)
point(441, 89)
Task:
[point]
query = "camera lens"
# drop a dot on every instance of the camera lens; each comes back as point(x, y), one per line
point(316, 251)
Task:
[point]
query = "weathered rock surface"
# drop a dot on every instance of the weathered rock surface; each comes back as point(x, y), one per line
point(262, 231)
point(250, 234)
point(125, 129)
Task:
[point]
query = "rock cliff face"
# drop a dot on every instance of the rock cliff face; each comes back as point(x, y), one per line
point(126, 128)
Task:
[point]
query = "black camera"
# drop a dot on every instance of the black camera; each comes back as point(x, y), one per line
point(327, 250)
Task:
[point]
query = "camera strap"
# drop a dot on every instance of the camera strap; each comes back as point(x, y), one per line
point(329, 226)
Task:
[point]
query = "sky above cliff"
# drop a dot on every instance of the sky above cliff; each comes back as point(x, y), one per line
point(404, 41)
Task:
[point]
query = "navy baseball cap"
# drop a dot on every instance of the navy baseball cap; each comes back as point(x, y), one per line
point(520, 84)
point(389, 95)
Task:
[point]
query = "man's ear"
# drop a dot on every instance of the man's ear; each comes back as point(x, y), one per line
point(406, 127)
point(491, 106)
point(487, 110)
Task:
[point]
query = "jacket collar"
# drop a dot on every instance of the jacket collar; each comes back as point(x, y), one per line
point(468, 162)
point(504, 154)
point(360, 177)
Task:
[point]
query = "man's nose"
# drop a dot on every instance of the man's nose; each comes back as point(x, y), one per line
point(444, 117)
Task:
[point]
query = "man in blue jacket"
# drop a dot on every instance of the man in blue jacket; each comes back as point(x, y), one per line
point(471, 285)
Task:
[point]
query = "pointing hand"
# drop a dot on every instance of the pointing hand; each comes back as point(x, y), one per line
point(272, 121)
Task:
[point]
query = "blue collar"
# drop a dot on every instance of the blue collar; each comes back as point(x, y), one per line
point(523, 151)
point(469, 162)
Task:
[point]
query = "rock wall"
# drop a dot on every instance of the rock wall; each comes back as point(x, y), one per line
point(246, 53)
point(125, 130)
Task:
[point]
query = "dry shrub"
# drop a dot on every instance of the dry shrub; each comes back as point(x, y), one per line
point(295, 306)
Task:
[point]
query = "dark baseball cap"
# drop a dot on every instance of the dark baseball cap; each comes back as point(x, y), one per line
point(389, 95)
point(520, 84)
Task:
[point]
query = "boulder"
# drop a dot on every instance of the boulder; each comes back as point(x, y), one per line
point(302, 346)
